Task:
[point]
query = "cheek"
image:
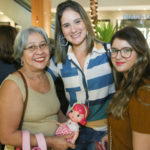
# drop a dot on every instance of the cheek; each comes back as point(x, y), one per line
point(133, 59)
point(69, 115)
point(47, 53)
point(65, 32)
point(113, 61)
point(27, 56)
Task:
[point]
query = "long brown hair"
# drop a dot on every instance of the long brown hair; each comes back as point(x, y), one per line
point(126, 87)
point(61, 51)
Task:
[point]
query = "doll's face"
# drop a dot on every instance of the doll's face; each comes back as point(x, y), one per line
point(75, 116)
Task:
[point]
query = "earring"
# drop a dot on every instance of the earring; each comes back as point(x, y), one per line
point(87, 33)
point(21, 62)
point(63, 41)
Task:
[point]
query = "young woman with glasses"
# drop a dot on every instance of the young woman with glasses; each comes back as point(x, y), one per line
point(128, 112)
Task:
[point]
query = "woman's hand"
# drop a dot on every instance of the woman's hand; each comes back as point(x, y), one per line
point(61, 117)
point(104, 141)
point(60, 142)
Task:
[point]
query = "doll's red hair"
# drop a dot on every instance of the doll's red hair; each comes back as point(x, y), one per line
point(82, 109)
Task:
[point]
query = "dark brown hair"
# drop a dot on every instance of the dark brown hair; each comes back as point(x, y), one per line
point(7, 37)
point(127, 87)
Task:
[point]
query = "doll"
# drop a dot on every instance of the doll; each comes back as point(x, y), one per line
point(77, 115)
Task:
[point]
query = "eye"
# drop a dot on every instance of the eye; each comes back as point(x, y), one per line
point(32, 47)
point(114, 50)
point(43, 45)
point(78, 115)
point(71, 111)
point(77, 21)
point(127, 50)
point(66, 25)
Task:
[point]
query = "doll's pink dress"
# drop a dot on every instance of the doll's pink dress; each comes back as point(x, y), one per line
point(67, 128)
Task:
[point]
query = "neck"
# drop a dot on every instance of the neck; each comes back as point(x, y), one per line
point(79, 48)
point(33, 75)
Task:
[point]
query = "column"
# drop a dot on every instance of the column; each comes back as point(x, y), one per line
point(41, 14)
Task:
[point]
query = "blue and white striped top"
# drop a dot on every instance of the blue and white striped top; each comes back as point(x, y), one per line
point(93, 86)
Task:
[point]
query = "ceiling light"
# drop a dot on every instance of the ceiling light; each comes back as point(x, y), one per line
point(1, 13)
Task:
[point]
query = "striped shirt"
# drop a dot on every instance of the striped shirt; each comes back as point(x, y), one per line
point(93, 86)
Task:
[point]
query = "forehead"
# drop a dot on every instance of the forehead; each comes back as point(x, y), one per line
point(69, 14)
point(35, 37)
point(120, 43)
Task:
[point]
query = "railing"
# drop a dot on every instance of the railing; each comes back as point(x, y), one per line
point(24, 3)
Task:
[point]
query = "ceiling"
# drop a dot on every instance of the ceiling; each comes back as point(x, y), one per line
point(112, 4)
point(108, 4)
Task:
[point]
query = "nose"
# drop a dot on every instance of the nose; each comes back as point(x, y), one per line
point(73, 29)
point(118, 54)
point(38, 49)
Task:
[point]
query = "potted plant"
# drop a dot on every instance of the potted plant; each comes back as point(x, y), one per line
point(104, 31)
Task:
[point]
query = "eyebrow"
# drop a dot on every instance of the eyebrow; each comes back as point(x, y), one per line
point(35, 42)
point(73, 21)
point(121, 48)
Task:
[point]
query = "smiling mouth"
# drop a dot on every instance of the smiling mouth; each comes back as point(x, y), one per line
point(75, 35)
point(39, 59)
point(119, 63)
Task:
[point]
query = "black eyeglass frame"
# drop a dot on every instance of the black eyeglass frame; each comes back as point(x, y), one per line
point(109, 52)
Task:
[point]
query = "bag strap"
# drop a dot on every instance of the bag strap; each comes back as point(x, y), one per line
point(41, 141)
point(26, 134)
point(26, 99)
point(26, 141)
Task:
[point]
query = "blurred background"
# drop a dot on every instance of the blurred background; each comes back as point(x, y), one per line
point(110, 15)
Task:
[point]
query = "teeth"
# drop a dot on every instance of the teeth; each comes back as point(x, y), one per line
point(75, 35)
point(39, 59)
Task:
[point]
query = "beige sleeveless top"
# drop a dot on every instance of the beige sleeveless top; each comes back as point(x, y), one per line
point(41, 111)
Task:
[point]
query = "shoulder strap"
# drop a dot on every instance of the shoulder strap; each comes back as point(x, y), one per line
point(26, 99)
point(105, 46)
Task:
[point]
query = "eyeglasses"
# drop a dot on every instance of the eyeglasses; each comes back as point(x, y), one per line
point(125, 52)
point(33, 48)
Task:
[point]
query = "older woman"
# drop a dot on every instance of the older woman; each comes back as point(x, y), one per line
point(43, 107)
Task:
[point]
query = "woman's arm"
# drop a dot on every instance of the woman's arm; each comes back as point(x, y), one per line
point(139, 120)
point(11, 106)
point(141, 141)
point(59, 142)
point(61, 117)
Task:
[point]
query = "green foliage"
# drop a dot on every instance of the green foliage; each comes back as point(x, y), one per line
point(104, 31)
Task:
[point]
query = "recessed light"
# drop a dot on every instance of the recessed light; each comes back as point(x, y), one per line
point(1, 13)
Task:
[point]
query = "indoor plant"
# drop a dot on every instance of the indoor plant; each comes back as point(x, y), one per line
point(104, 31)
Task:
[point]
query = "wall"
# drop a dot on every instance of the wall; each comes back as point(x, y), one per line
point(16, 13)
point(118, 15)
point(4, 18)
point(22, 16)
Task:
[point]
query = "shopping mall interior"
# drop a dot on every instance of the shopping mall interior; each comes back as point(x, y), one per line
point(19, 13)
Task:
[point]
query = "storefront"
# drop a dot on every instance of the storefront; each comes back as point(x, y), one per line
point(142, 22)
